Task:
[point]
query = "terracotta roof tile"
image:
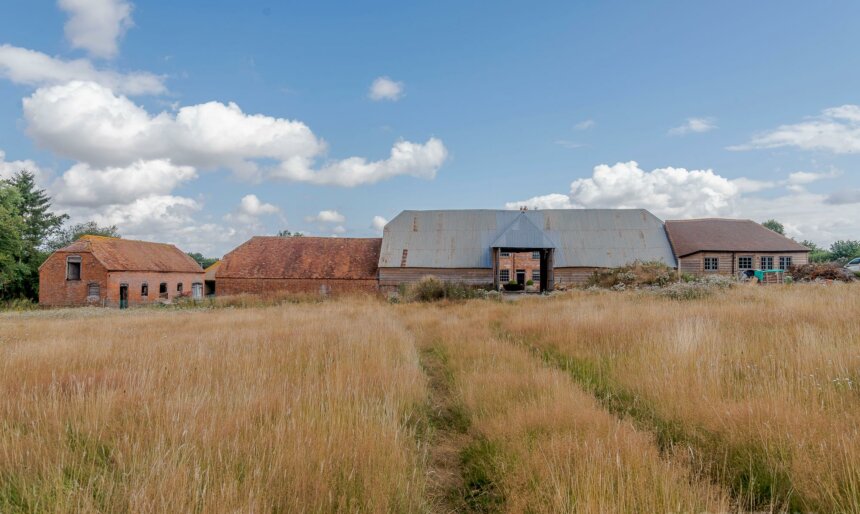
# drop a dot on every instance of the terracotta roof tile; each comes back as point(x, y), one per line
point(303, 257)
point(129, 255)
point(726, 235)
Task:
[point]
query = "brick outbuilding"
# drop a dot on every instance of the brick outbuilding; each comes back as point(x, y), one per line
point(265, 265)
point(114, 272)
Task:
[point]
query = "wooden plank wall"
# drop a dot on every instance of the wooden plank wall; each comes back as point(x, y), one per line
point(695, 264)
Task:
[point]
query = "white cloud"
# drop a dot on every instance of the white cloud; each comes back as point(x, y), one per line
point(252, 206)
point(584, 125)
point(340, 229)
point(89, 123)
point(573, 145)
point(836, 130)
point(10, 168)
point(383, 88)
point(677, 193)
point(84, 185)
point(807, 177)
point(406, 158)
point(32, 68)
point(326, 217)
point(693, 125)
point(378, 223)
point(97, 25)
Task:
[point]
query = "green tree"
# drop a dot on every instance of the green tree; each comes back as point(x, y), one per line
point(811, 245)
point(775, 226)
point(68, 235)
point(39, 225)
point(287, 233)
point(844, 250)
point(204, 262)
point(12, 269)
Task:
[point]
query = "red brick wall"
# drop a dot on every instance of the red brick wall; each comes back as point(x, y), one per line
point(231, 286)
point(55, 290)
point(520, 260)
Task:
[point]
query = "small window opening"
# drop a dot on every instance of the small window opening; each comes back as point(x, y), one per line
point(179, 288)
point(505, 275)
point(712, 263)
point(93, 290)
point(73, 267)
point(162, 290)
point(144, 289)
point(536, 254)
point(504, 254)
point(403, 258)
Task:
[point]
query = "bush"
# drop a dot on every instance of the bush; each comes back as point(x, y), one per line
point(820, 271)
point(431, 289)
point(18, 305)
point(530, 282)
point(637, 274)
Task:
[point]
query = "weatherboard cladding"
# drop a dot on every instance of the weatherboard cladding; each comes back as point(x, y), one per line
point(581, 237)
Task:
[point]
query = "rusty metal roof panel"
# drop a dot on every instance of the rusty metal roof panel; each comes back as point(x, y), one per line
point(582, 237)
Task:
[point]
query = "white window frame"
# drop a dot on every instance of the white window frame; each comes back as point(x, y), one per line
point(535, 275)
point(504, 254)
point(535, 254)
point(751, 262)
point(711, 263)
point(768, 258)
point(504, 275)
point(785, 262)
point(74, 259)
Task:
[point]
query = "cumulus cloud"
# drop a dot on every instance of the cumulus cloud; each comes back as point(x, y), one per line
point(85, 185)
point(383, 88)
point(97, 25)
point(693, 125)
point(32, 68)
point(326, 217)
point(836, 130)
point(249, 212)
point(677, 193)
point(406, 158)
point(10, 168)
point(584, 125)
point(378, 223)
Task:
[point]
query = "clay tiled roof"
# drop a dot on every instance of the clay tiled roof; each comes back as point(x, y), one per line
point(129, 255)
point(726, 235)
point(211, 270)
point(303, 257)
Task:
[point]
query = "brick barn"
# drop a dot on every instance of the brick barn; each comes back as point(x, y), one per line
point(484, 247)
point(731, 246)
point(114, 272)
point(265, 265)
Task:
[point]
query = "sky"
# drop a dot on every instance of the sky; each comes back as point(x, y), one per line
point(203, 123)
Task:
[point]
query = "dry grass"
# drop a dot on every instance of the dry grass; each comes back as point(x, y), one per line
point(586, 402)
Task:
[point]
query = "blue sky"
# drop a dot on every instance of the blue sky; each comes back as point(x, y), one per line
point(689, 109)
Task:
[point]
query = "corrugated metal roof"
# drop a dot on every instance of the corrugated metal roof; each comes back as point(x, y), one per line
point(727, 235)
point(129, 255)
point(581, 237)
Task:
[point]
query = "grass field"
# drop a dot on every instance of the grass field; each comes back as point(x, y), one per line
point(747, 400)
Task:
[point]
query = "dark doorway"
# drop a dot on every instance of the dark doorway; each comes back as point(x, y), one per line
point(123, 296)
point(521, 277)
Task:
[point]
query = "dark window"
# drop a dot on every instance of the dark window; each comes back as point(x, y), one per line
point(505, 275)
point(745, 262)
point(712, 263)
point(504, 254)
point(784, 262)
point(162, 290)
point(766, 263)
point(535, 275)
point(73, 267)
point(179, 288)
point(93, 290)
point(144, 289)
point(536, 255)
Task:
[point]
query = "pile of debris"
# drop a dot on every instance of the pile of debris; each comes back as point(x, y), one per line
point(819, 272)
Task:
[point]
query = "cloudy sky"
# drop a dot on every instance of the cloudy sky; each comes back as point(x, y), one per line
point(202, 123)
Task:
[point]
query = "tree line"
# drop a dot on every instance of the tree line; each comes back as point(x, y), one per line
point(30, 231)
point(839, 252)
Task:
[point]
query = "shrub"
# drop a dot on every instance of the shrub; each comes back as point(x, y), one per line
point(530, 282)
point(637, 274)
point(431, 289)
point(18, 305)
point(820, 271)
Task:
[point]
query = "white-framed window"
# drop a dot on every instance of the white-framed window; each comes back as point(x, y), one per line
point(535, 276)
point(784, 262)
point(745, 262)
point(766, 262)
point(712, 263)
point(73, 267)
point(504, 275)
point(504, 254)
point(536, 254)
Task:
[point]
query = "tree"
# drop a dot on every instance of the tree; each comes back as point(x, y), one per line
point(39, 224)
point(12, 269)
point(69, 235)
point(287, 233)
point(204, 262)
point(844, 250)
point(775, 226)
point(809, 244)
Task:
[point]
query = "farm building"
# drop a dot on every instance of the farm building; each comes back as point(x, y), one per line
point(474, 246)
point(209, 278)
point(265, 265)
point(108, 271)
point(731, 246)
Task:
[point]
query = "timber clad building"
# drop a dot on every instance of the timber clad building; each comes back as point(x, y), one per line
point(113, 272)
point(729, 246)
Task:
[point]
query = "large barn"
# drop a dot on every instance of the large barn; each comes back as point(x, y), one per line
point(731, 246)
point(266, 265)
point(113, 272)
point(470, 245)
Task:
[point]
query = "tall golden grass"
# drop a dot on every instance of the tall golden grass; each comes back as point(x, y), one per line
point(584, 402)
